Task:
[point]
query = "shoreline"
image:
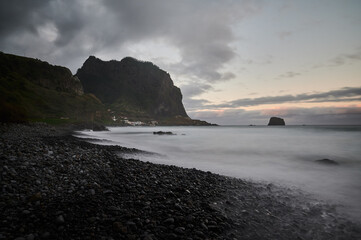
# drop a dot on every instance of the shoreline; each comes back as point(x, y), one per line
point(56, 186)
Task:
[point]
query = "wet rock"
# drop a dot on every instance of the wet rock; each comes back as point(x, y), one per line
point(326, 161)
point(26, 212)
point(30, 237)
point(163, 133)
point(119, 227)
point(45, 235)
point(169, 221)
point(60, 219)
point(204, 226)
point(179, 230)
point(36, 197)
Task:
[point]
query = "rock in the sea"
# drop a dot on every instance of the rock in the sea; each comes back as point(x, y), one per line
point(99, 127)
point(163, 133)
point(327, 161)
point(276, 121)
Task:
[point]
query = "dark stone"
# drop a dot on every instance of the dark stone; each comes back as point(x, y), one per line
point(179, 230)
point(327, 161)
point(119, 227)
point(90, 125)
point(276, 121)
point(36, 197)
point(163, 133)
point(169, 221)
point(99, 127)
point(60, 219)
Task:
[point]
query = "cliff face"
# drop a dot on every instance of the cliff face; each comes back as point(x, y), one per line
point(131, 84)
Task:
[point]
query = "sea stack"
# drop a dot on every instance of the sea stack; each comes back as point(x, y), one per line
point(276, 121)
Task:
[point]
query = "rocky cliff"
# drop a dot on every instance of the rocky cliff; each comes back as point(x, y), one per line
point(132, 86)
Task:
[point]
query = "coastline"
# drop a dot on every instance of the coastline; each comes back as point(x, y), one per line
point(55, 186)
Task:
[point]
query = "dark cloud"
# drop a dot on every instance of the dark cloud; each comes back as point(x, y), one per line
point(344, 94)
point(342, 59)
point(200, 30)
point(17, 16)
point(292, 116)
point(232, 112)
point(194, 104)
point(319, 115)
point(191, 90)
point(346, 58)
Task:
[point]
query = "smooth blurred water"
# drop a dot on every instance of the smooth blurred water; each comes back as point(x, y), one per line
point(283, 155)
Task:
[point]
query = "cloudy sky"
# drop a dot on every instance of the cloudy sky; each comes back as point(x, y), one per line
point(236, 61)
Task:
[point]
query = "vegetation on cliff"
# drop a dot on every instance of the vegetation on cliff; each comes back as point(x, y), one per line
point(33, 90)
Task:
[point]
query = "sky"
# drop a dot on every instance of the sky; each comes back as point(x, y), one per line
point(237, 62)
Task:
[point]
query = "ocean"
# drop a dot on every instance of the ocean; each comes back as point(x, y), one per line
point(284, 155)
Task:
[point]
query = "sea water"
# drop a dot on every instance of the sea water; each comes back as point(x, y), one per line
point(284, 155)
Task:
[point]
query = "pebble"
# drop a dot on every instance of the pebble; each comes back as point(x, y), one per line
point(179, 230)
point(60, 219)
point(169, 221)
point(26, 212)
point(30, 237)
point(45, 235)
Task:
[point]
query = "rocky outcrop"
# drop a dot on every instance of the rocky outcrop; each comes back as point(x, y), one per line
point(132, 85)
point(276, 121)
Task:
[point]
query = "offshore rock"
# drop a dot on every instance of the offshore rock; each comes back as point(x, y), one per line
point(276, 121)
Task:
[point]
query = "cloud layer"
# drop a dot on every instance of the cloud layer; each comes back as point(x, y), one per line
point(345, 94)
point(293, 116)
point(66, 32)
point(234, 112)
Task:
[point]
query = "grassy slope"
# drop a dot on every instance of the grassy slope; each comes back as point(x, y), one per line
point(21, 99)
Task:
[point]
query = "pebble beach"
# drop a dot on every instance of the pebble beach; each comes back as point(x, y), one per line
point(56, 186)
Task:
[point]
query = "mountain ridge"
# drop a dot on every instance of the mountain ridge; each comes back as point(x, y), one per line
point(34, 90)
